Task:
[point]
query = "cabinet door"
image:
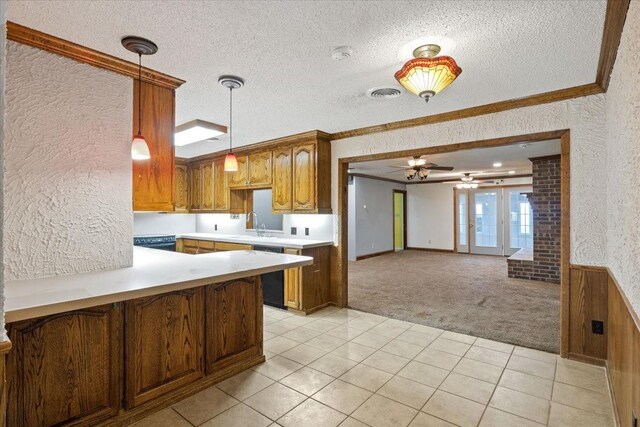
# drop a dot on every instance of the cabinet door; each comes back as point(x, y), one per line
point(195, 188)
point(221, 187)
point(234, 322)
point(304, 177)
point(292, 283)
point(182, 195)
point(260, 169)
point(163, 344)
point(65, 368)
point(240, 178)
point(207, 186)
point(153, 186)
point(281, 190)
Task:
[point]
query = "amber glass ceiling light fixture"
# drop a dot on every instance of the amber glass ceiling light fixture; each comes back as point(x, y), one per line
point(427, 74)
point(231, 83)
point(139, 147)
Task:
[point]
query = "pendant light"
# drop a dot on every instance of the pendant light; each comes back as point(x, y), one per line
point(231, 83)
point(139, 146)
point(428, 74)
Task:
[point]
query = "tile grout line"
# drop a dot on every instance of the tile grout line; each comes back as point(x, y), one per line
point(496, 387)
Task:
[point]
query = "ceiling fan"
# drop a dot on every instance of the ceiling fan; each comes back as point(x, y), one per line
point(418, 166)
point(466, 182)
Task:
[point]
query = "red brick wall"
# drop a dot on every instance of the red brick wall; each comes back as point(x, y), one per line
point(545, 201)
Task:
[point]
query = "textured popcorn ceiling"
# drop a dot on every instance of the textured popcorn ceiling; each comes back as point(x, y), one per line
point(507, 49)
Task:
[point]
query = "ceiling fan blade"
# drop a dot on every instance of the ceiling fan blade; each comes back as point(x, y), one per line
point(439, 168)
point(395, 171)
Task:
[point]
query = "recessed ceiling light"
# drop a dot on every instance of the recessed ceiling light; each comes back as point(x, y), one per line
point(497, 165)
point(512, 172)
point(197, 130)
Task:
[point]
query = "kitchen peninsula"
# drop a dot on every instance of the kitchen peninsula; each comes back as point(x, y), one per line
point(111, 346)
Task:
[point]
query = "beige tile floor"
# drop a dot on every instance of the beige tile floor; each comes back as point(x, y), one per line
point(349, 368)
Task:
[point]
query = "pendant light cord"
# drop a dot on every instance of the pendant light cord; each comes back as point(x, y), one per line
point(139, 90)
point(230, 120)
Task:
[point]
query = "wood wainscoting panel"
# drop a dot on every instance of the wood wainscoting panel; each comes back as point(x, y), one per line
point(164, 336)
point(588, 302)
point(65, 368)
point(233, 322)
point(623, 361)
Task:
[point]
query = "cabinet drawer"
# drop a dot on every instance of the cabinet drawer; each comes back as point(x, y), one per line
point(190, 242)
point(223, 246)
point(205, 244)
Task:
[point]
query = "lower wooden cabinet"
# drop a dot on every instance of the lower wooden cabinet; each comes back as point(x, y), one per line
point(306, 289)
point(164, 336)
point(65, 368)
point(234, 322)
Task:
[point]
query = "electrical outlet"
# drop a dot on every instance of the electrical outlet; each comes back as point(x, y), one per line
point(597, 327)
point(235, 216)
point(306, 231)
point(294, 231)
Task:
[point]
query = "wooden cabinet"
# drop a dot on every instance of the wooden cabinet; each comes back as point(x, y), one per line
point(164, 339)
point(225, 246)
point(182, 188)
point(306, 289)
point(304, 177)
point(153, 179)
point(281, 195)
point(221, 186)
point(207, 186)
point(192, 246)
point(240, 178)
point(65, 368)
point(195, 188)
point(259, 169)
point(292, 283)
point(234, 322)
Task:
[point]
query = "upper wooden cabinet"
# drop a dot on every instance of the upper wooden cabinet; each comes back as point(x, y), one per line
point(153, 179)
point(254, 170)
point(207, 185)
point(304, 177)
point(182, 188)
point(281, 195)
point(296, 168)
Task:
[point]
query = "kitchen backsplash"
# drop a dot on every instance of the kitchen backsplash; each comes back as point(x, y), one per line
point(320, 226)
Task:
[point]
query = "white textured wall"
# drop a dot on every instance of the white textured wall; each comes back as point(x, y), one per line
point(158, 223)
point(67, 183)
point(430, 216)
point(373, 215)
point(585, 118)
point(623, 161)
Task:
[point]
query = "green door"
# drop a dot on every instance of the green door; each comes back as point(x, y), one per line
point(398, 221)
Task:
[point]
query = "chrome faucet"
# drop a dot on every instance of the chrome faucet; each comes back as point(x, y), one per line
point(259, 231)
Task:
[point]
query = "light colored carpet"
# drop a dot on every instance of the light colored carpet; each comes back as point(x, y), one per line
point(470, 294)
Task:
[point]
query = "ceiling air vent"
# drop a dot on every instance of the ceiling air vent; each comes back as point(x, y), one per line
point(384, 92)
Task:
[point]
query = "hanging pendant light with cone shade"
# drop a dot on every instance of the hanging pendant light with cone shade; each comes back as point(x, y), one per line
point(139, 146)
point(231, 83)
point(427, 74)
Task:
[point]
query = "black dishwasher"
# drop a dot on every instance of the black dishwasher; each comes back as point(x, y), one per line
point(272, 283)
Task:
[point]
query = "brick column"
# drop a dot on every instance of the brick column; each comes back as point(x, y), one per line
point(545, 201)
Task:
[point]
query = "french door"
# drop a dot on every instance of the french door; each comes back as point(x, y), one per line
point(493, 221)
point(485, 222)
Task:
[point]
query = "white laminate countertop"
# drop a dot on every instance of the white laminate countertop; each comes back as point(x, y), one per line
point(153, 272)
point(276, 242)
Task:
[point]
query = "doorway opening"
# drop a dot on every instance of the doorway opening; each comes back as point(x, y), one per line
point(399, 220)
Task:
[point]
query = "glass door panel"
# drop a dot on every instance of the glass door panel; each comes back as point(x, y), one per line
point(520, 214)
point(462, 221)
point(485, 227)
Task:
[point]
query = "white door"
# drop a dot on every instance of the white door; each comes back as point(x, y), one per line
point(462, 221)
point(519, 229)
point(485, 222)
